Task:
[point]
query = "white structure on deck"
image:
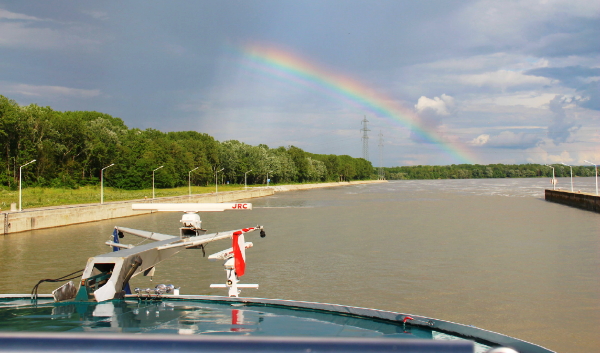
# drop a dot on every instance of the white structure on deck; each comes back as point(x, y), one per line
point(106, 276)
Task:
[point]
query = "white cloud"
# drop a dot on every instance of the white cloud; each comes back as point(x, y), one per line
point(24, 31)
point(7, 15)
point(483, 63)
point(430, 112)
point(524, 127)
point(440, 105)
point(542, 156)
point(503, 79)
point(579, 8)
point(531, 99)
point(512, 21)
point(16, 34)
point(507, 139)
point(480, 140)
point(469, 64)
point(48, 91)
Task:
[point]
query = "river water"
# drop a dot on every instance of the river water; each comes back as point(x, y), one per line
point(489, 253)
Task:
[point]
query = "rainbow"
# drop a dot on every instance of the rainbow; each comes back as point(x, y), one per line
point(289, 67)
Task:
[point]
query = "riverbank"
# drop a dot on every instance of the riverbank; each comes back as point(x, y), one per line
point(38, 197)
point(57, 216)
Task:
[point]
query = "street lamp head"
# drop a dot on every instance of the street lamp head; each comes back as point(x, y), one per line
point(28, 163)
point(158, 168)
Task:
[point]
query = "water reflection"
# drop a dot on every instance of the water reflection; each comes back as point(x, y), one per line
point(194, 317)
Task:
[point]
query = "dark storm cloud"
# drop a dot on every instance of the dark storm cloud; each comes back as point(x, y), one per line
point(561, 127)
point(179, 65)
point(577, 77)
point(591, 91)
point(573, 36)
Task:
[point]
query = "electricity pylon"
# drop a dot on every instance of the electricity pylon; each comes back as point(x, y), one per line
point(381, 173)
point(365, 139)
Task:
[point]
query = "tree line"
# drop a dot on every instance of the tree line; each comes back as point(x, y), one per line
point(72, 147)
point(477, 171)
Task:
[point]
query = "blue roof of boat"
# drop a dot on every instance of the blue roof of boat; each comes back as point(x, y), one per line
point(203, 316)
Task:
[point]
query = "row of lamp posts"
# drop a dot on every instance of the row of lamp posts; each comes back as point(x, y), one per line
point(245, 180)
point(554, 179)
point(153, 194)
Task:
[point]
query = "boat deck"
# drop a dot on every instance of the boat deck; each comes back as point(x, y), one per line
point(237, 323)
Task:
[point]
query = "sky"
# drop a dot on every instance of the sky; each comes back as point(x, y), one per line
point(439, 82)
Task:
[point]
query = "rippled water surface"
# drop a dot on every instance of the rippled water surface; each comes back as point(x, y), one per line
point(489, 253)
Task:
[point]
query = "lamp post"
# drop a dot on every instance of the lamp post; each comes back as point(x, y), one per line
point(20, 180)
point(246, 180)
point(596, 168)
point(190, 181)
point(571, 175)
point(102, 183)
point(153, 180)
point(553, 179)
point(217, 184)
point(270, 171)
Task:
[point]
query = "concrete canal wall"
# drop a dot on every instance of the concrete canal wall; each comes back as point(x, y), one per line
point(576, 199)
point(48, 217)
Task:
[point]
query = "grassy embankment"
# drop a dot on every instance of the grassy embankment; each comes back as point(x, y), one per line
point(43, 197)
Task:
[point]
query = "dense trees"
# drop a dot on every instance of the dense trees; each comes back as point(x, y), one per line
point(71, 148)
point(475, 171)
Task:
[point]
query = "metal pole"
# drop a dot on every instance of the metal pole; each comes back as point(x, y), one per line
point(553, 178)
point(153, 180)
point(190, 181)
point(245, 180)
point(102, 184)
point(571, 175)
point(217, 184)
point(596, 168)
point(20, 181)
point(571, 178)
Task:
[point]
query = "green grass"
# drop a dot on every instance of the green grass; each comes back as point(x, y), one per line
point(43, 197)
